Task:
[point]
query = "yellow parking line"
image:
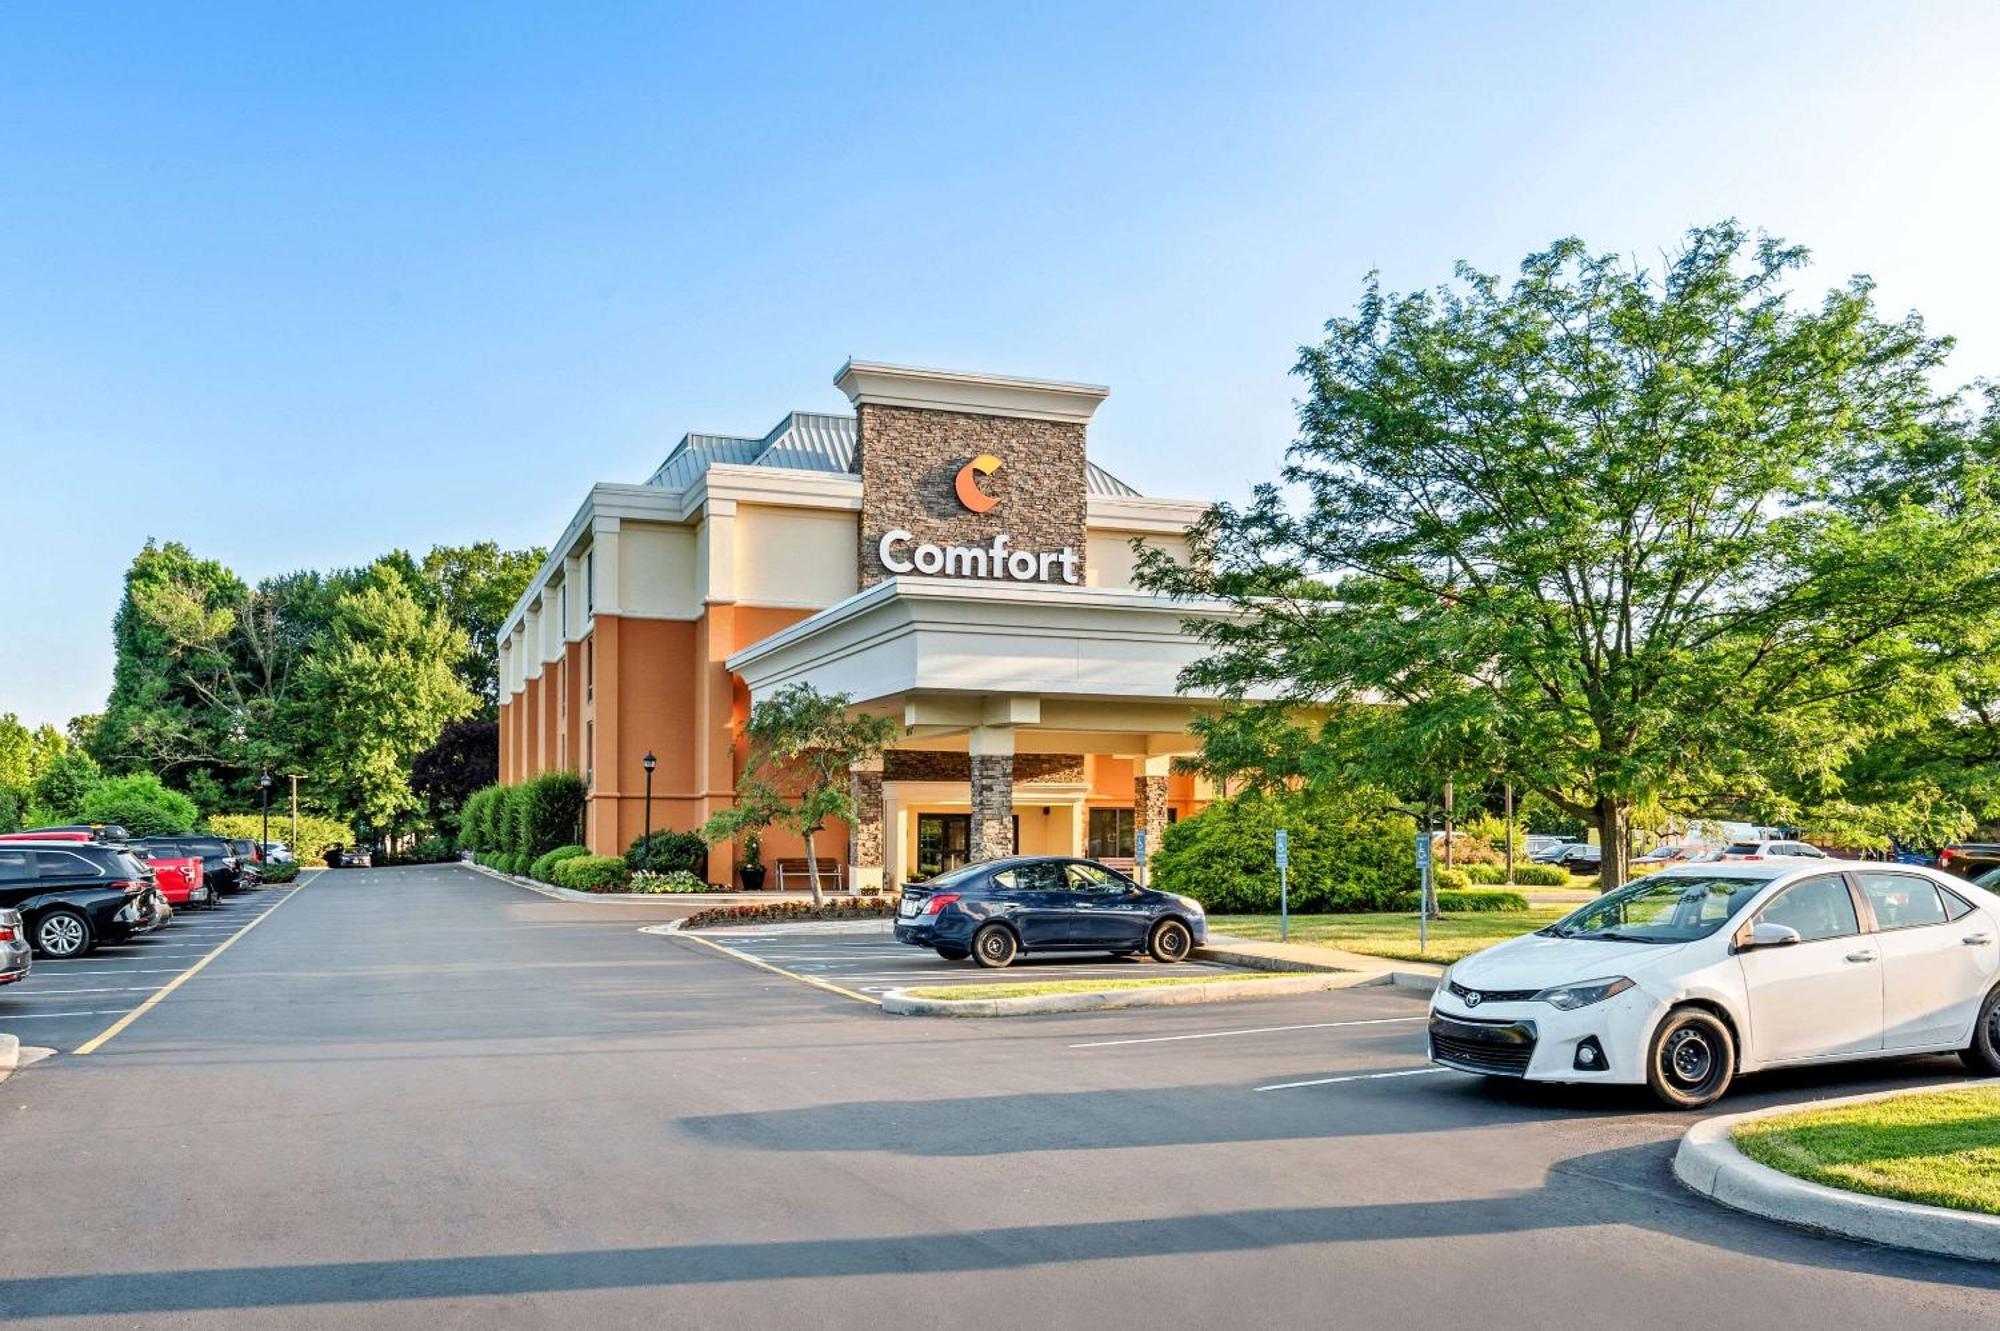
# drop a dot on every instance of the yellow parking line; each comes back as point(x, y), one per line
point(187, 974)
point(763, 965)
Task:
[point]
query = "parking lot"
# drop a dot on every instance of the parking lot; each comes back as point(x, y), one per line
point(868, 960)
point(62, 1005)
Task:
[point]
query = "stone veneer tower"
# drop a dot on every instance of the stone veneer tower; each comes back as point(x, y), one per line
point(917, 432)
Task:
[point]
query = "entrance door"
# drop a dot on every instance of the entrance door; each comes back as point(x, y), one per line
point(944, 841)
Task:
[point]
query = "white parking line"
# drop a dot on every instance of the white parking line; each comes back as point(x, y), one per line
point(1251, 1030)
point(44, 1016)
point(130, 989)
point(1359, 1076)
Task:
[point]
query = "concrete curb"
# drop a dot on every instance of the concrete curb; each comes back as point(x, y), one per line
point(1224, 955)
point(1709, 1163)
point(14, 1055)
point(553, 892)
point(857, 926)
point(898, 1002)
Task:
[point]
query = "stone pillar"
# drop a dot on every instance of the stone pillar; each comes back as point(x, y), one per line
point(864, 846)
point(992, 752)
point(1149, 799)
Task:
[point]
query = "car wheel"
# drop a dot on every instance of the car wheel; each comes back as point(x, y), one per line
point(1170, 942)
point(994, 947)
point(1692, 1060)
point(953, 953)
point(1983, 1054)
point(62, 933)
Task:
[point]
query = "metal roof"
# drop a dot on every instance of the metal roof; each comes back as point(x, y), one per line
point(803, 441)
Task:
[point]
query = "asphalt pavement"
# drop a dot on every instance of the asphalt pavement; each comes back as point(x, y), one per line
point(424, 1098)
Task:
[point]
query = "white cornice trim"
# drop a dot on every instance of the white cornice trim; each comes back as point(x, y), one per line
point(959, 390)
point(1130, 513)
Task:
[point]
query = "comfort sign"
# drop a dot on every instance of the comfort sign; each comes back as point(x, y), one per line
point(901, 552)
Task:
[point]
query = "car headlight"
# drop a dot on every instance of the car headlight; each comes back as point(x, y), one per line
point(1190, 903)
point(1570, 997)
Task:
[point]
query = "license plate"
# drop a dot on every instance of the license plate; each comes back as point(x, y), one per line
point(908, 908)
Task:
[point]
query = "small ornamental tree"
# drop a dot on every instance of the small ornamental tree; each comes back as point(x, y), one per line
point(804, 745)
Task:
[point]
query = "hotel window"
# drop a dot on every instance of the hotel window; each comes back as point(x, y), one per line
point(589, 752)
point(590, 668)
point(589, 582)
point(1111, 834)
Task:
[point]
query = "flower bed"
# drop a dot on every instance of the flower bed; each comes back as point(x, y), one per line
point(792, 912)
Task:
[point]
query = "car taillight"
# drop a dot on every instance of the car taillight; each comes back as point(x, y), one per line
point(128, 885)
point(938, 903)
point(7, 934)
point(1944, 859)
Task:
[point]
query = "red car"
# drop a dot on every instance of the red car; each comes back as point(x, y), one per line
point(180, 880)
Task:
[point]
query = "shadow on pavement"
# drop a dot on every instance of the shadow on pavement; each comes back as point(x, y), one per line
point(1571, 1199)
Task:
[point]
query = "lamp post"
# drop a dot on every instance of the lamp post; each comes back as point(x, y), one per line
point(264, 786)
point(649, 762)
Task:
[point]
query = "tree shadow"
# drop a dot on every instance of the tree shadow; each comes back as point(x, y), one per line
point(1571, 1198)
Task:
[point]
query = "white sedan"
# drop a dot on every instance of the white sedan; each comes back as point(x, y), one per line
point(1689, 976)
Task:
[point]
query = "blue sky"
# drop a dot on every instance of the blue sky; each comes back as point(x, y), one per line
point(296, 285)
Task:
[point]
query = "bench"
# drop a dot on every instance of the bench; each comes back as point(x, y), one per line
point(831, 873)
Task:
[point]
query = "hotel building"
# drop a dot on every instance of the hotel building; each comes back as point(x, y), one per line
point(948, 556)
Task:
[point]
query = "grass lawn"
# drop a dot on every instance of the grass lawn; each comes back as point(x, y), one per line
point(1030, 988)
point(1394, 934)
point(1942, 1148)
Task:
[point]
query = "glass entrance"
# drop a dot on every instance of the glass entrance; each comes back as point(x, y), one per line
point(944, 842)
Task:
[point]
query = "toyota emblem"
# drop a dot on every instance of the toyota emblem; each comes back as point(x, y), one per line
point(1472, 998)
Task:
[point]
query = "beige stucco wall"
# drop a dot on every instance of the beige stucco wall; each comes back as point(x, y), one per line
point(1111, 559)
point(795, 557)
point(656, 570)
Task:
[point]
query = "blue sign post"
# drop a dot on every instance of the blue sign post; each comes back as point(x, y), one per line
point(1139, 853)
point(1423, 888)
point(1284, 885)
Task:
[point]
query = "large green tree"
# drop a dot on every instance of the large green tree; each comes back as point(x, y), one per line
point(1665, 537)
point(383, 686)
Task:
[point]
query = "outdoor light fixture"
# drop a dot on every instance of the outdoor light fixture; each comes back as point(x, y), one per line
point(649, 762)
point(264, 846)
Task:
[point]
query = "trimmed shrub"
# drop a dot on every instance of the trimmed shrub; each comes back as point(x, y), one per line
point(139, 804)
point(1450, 880)
point(280, 873)
point(430, 850)
point(1485, 875)
point(679, 880)
point(549, 813)
point(545, 863)
point(1540, 875)
point(1346, 854)
point(316, 833)
point(777, 912)
point(683, 851)
point(592, 873)
point(474, 821)
point(1474, 900)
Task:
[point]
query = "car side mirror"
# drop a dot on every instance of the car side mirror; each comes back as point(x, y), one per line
point(1765, 934)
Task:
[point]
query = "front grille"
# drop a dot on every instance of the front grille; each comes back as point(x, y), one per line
point(1502, 1049)
point(1478, 996)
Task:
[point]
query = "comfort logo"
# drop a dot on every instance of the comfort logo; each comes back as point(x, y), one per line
point(967, 483)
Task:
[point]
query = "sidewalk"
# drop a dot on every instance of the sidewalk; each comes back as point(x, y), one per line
point(1257, 955)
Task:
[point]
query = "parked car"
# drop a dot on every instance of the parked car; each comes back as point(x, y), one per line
point(1576, 856)
point(73, 896)
point(1538, 846)
point(249, 861)
point(179, 878)
point(998, 910)
point(16, 957)
point(219, 867)
point(1661, 856)
point(277, 852)
point(67, 831)
point(1684, 978)
point(1772, 850)
point(1969, 859)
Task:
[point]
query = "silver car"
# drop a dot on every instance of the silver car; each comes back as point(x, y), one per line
point(16, 957)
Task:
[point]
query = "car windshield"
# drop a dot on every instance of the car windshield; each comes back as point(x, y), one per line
point(1667, 908)
point(1990, 880)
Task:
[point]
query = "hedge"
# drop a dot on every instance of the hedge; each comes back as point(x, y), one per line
point(1450, 880)
point(545, 864)
point(1346, 853)
point(1540, 875)
point(685, 851)
point(1474, 900)
point(549, 813)
point(280, 873)
point(316, 832)
point(139, 804)
point(679, 880)
point(836, 908)
point(592, 873)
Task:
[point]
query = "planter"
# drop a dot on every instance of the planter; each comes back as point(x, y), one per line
point(752, 876)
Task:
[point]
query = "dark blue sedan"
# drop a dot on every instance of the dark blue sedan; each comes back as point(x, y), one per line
point(998, 910)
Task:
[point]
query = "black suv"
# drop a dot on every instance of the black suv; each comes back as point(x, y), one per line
point(74, 895)
point(220, 867)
